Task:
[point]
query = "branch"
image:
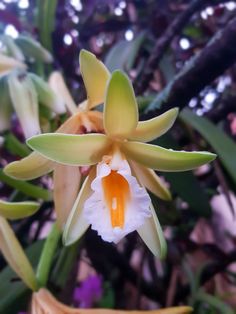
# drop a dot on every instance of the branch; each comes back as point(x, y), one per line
point(164, 41)
point(200, 71)
point(221, 108)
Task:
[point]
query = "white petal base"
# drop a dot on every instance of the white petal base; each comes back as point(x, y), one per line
point(97, 212)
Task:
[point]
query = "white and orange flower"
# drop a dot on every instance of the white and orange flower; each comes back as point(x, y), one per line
point(113, 199)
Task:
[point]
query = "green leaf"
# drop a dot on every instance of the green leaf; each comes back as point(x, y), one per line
point(185, 184)
point(222, 144)
point(25, 187)
point(214, 301)
point(123, 54)
point(14, 293)
point(17, 210)
point(46, 13)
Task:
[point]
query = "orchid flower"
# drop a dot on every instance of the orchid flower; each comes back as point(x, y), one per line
point(83, 120)
point(9, 244)
point(45, 303)
point(113, 198)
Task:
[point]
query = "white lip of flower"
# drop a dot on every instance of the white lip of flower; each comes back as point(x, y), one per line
point(118, 204)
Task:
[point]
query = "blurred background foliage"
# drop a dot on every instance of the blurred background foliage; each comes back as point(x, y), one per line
point(177, 53)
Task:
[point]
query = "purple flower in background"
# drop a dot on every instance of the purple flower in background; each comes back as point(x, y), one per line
point(89, 292)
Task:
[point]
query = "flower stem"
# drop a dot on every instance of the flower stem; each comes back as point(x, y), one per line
point(47, 255)
point(26, 187)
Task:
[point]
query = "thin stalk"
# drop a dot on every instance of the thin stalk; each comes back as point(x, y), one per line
point(14, 146)
point(26, 187)
point(47, 256)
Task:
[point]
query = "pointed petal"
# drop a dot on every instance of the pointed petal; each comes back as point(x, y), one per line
point(95, 76)
point(15, 255)
point(159, 158)
point(152, 235)
point(147, 131)
point(120, 110)
point(76, 224)
point(66, 187)
point(25, 102)
point(17, 210)
point(151, 181)
point(30, 167)
point(8, 63)
point(58, 85)
point(83, 150)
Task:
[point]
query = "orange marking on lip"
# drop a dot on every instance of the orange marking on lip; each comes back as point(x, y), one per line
point(117, 193)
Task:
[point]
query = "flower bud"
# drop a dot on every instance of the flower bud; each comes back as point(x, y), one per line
point(25, 102)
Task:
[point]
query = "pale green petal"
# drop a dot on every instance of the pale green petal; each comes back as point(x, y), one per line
point(76, 224)
point(120, 110)
point(25, 102)
point(159, 158)
point(66, 187)
point(83, 150)
point(95, 76)
point(151, 181)
point(152, 235)
point(15, 256)
point(30, 167)
point(148, 130)
point(17, 210)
